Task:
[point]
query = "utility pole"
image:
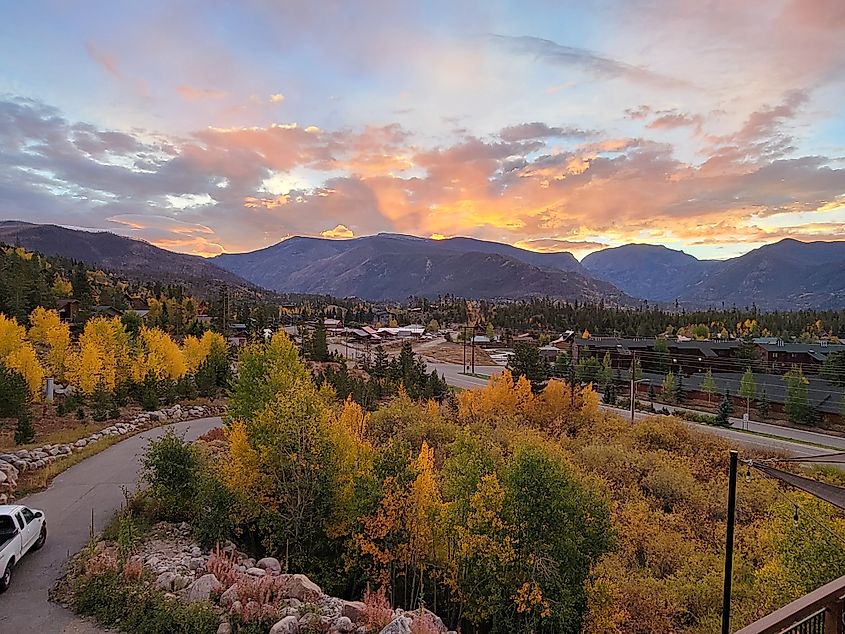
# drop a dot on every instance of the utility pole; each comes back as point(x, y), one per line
point(633, 385)
point(729, 544)
point(473, 348)
point(465, 347)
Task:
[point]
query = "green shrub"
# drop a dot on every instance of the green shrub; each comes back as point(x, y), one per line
point(172, 468)
point(101, 403)
point(138, 608)
point(24, 431)
point(213, 522)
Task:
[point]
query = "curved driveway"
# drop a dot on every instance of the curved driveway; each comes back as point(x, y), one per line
point(90, 490)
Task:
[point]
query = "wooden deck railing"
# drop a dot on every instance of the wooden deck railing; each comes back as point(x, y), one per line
point(820, 612)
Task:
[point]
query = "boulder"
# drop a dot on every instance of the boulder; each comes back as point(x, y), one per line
point(399, 625)
point(229, 597)
point(353, 610)
point(224, 628)
point(344, 625)
point(270, 564)
point(256, 572)
point(288, 625)
point(202, 589)
point(165, 581)
point(429, 616)
point(302, 588)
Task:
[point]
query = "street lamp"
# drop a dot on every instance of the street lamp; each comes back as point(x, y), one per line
point(633, 393)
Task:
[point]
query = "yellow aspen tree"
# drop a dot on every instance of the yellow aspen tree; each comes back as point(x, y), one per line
point(158, 355)
point(24, 361)
point(12, 335)
point(47, 329)
point(102, 356)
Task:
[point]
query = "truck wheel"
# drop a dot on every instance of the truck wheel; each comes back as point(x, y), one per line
point(6, 579)
point(41, 539)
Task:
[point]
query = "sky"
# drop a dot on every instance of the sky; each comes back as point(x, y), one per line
point(210, 126)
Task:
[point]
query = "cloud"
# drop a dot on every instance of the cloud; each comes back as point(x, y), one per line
point(199, 94)
point(277, 98)
point(517, 187)
point(340, 231)
point(539, 130)
point(670, 119)
point(104, 60)
point(588, 61)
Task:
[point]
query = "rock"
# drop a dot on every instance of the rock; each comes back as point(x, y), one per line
point(202, 589)
point(256, 572)
point(165, 581)
point(429, 616)
point(270, 564)
point(302, 588)
point(196, 563)
point(288, 625)
point(224, 628)
point(229, 597)
point(353, 610)
point(399, 625)
point(196, 551)
point(181, 582)
point(344, 625)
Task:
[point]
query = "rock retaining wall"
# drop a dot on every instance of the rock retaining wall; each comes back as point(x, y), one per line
point(14, 463)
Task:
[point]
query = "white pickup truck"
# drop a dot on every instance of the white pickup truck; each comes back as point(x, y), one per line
point(21, 529)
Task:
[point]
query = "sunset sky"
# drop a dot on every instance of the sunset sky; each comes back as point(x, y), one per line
point(714, 126)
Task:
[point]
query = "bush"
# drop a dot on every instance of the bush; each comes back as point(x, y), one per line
point(24, 431)
point(14, 393)
point(147, 393)
point(171, 466)
point(101, 403)
point(138, 608)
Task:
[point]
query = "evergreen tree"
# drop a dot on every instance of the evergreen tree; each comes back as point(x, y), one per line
point(526, 362)
point(678, 392)
point(725, 410)
point(319, 347)
point(652, 393)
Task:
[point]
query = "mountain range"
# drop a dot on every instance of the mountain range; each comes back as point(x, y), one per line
point(786, 275)
point(134, 259)
point(392, 266)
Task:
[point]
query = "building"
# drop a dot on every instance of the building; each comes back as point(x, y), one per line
point(687, 356)
point(68, 309)
point(779, 357)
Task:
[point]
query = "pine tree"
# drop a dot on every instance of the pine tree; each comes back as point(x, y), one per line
point(319, 347)
point(678, 392)
point(24, 431)
point(747, 389)
point(725, 410)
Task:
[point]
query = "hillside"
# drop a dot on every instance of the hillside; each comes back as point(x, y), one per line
point(787, 275)
point(134, 259)
point(388, 266)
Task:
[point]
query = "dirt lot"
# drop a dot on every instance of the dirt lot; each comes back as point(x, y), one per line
point(446, 352)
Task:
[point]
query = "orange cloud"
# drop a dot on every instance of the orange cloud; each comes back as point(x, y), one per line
point(199, 94)
point(340, 231)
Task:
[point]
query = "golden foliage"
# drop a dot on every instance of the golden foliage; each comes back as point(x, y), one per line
point(158, 355)
point(102, 356)
point(24, 360)
point(47, 329)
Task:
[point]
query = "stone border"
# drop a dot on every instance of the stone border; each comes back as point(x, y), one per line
point(26, 460)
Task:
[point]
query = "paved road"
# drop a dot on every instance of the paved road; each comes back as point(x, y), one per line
point(93, 486)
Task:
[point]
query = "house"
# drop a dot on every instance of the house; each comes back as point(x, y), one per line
point(107, 311)
point(549, 353)
point(68, 309)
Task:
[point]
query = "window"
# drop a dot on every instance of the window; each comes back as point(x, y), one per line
point(28, 515)
point(20, 520)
